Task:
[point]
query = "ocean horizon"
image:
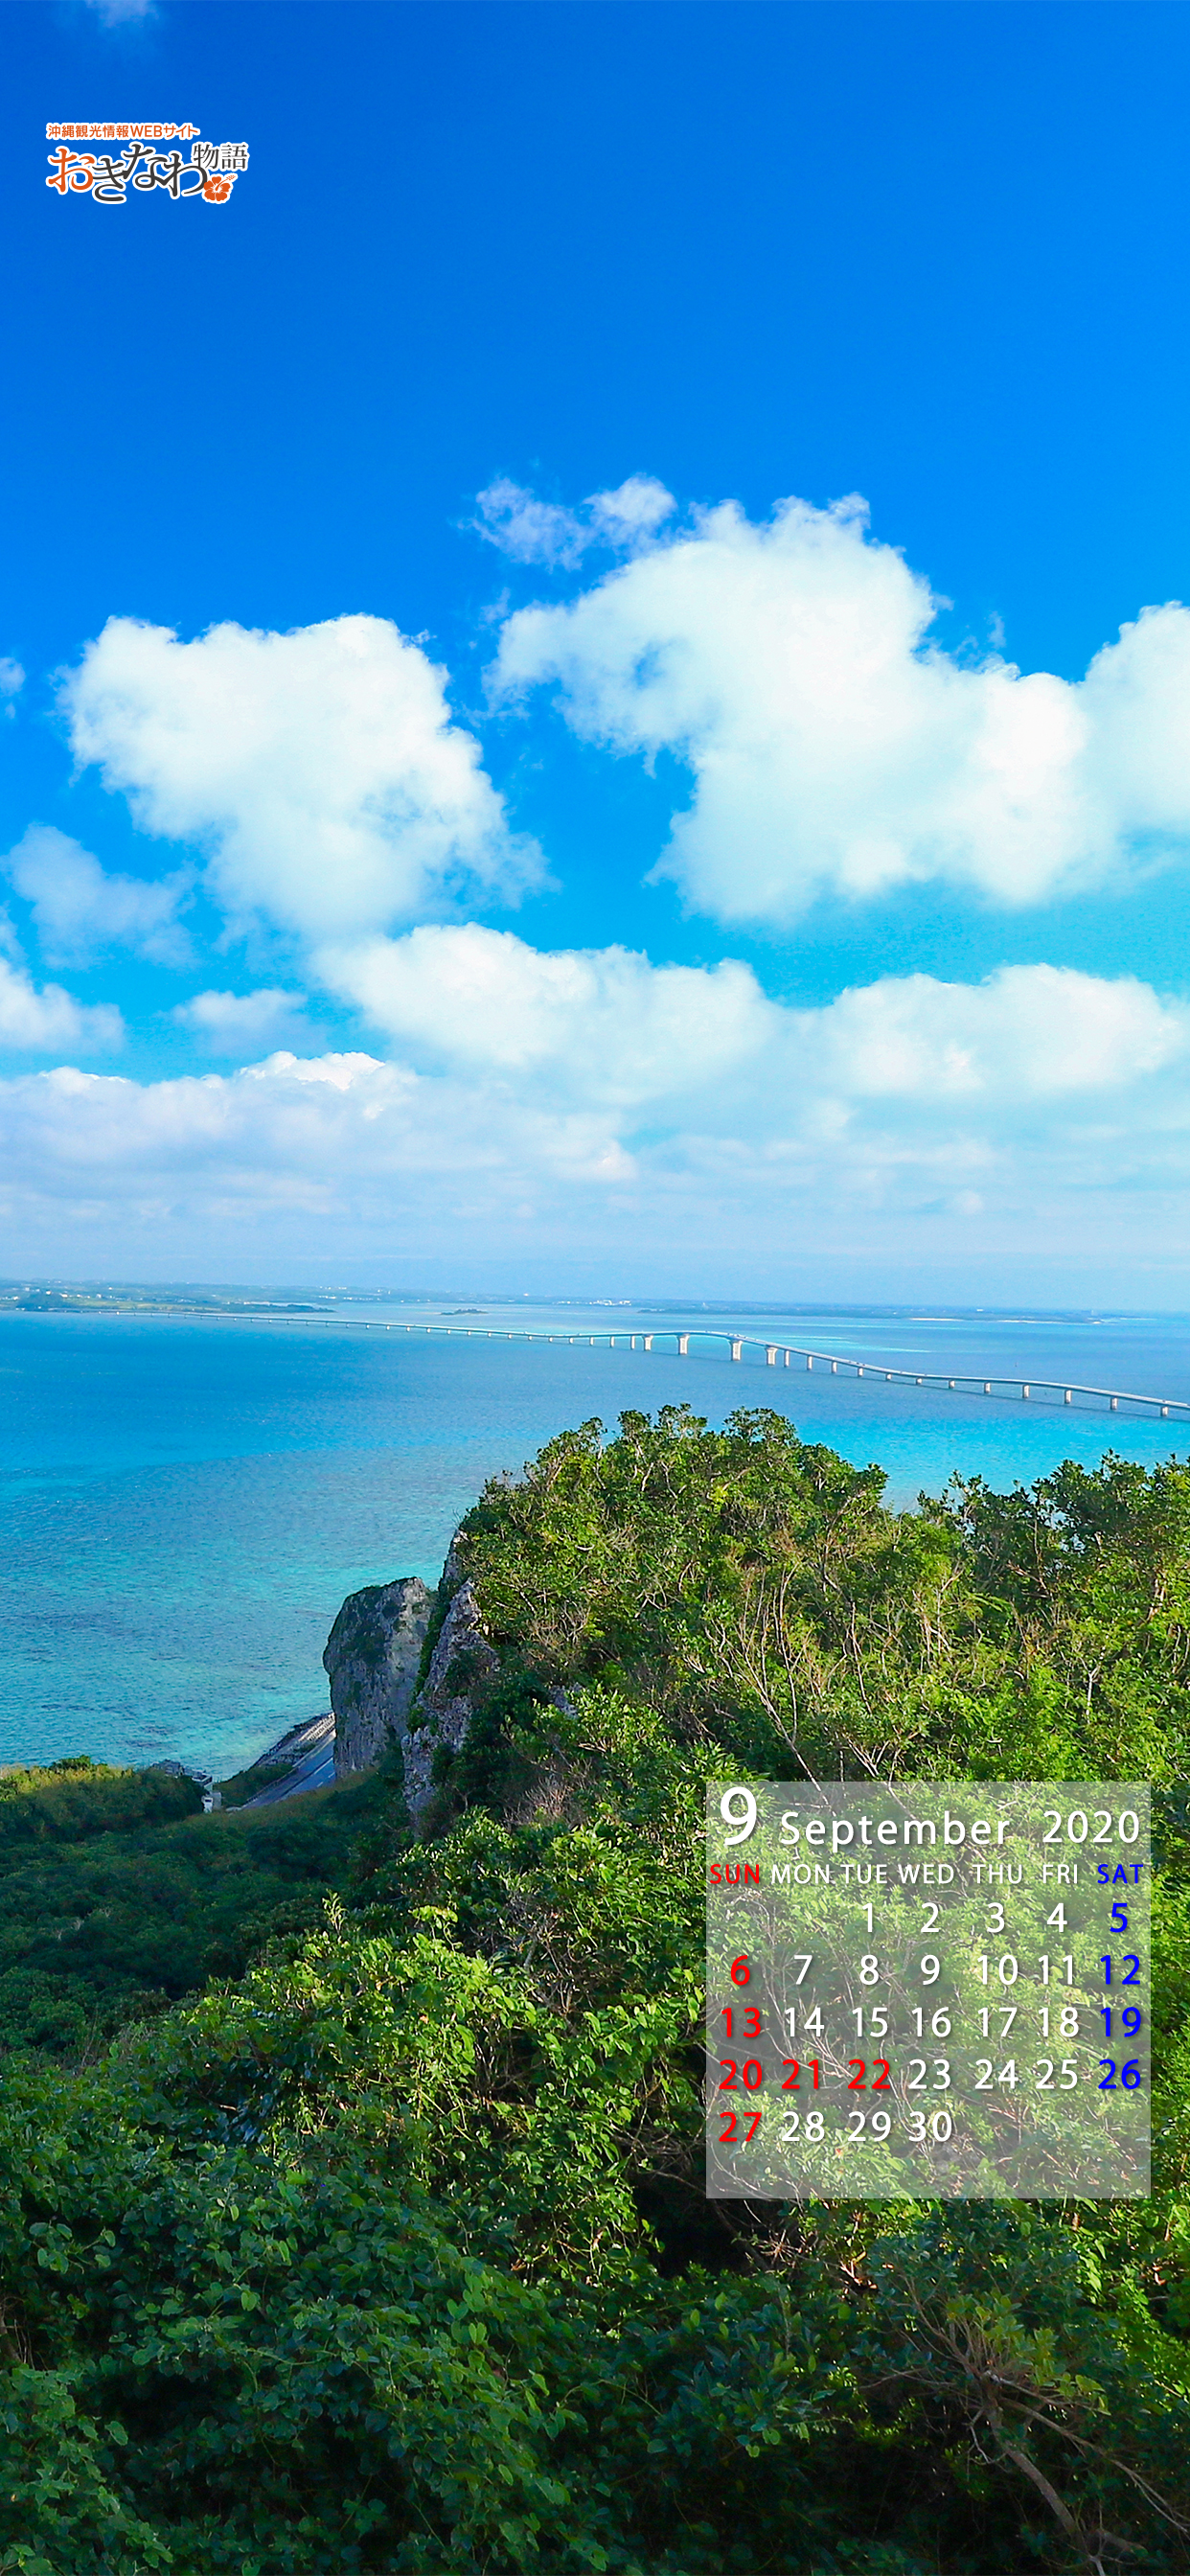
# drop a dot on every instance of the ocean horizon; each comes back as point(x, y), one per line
point(186, 1499)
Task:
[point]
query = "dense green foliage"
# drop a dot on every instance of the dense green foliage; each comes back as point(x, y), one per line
point(759, 1592)
point(393, 2255)
point(118, 1896)
point(76, 1799)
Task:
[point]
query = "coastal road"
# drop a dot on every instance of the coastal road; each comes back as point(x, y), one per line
point(314, 1767)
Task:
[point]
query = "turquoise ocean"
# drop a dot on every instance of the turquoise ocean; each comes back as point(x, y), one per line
point(184, 1502)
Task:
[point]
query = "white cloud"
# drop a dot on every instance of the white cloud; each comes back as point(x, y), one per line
point(12, 677)
point(632, 512)
point(600, 1024)
point(604, 1025)
point(727, 1116)
point(39, 1022)
point(832, 745)
point(338, 1137)
point(321, 768)
point(533, 531)
point(731, 1118)
point(529, 530)
point(118, 13)
point(79, 908)
point(646, 1116)
point(1027, 1034)
point(234, 1023)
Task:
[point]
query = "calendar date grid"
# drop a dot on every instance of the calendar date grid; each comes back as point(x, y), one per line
point(940, 1989)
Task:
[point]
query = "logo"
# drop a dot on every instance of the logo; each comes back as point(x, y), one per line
point(106, 177)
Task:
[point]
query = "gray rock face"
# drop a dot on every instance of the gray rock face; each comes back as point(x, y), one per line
point(462, 1662)
point(372, 1656)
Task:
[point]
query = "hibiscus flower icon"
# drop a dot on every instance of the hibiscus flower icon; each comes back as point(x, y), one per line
point(217, 189)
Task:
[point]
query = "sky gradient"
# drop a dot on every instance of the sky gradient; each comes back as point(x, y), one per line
point(595, 692)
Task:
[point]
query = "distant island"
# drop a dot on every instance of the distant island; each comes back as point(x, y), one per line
point(43, 1297)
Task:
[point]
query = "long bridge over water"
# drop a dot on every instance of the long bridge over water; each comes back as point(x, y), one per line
point(675, 1340)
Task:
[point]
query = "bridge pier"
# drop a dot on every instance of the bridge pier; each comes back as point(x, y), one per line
point(770, 1353)
point(683, 1346)
point(737, 1349)
point(648, 1341)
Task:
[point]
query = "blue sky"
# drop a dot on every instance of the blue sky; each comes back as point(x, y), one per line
point(483, 800)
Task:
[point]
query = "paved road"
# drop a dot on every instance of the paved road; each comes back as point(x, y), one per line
point(314, 1768)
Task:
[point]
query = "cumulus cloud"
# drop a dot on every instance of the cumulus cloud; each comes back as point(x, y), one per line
point(644, 1113)
point(534, 531)
point(760, 1121)
point(12, 677)
point(833, 745)
point(1027, 1034)
point(79, 908)
point(604, 1024)
point(40, 1021)
point(320, 768)
point(235, 1023)
point(334, 1136)
point(601, 1024)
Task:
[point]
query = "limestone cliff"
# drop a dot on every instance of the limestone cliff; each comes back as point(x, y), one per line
point(461, 1663)
point(372, 1656)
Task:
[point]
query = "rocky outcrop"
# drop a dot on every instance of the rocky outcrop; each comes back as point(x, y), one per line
point(461, 1664)
point(372, 1656)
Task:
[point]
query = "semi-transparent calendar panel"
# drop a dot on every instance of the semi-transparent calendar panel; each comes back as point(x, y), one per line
point(931, 1990)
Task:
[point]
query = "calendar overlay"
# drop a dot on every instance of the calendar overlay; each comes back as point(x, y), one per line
point(928, 1990)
